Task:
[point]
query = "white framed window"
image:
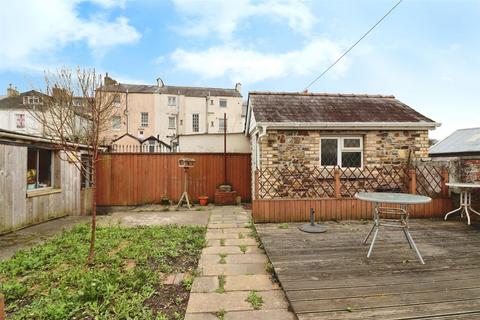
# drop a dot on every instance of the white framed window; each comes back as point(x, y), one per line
point(223, 103)
point(20, 120)
point(32, 100)
point(221, 124)
point(144, 119)
point(39, 168)
point(116, 122)
point(116, 101)
point(172, 101)
point(345, 152)
point(195, 122)
point(172, 122)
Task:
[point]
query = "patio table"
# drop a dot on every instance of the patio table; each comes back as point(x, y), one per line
point(382, 215)
point(465, 199)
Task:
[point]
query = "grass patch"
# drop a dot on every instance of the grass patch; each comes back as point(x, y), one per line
point(222, 258)
point(222, 242)
point(52, 281)
point(255, 300)
point(283, 226)
point(222, 280)
point(241, 236)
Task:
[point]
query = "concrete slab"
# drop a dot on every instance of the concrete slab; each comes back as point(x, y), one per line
point(255, 282)
point(234, 301)
point(231, 250)
point(205, 284)
point(152, 218)
point(213, 259)
point(201, 316)
point(29, 237)
point(260, 315)
point(233, 269)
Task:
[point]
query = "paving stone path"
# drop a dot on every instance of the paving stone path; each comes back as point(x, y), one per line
point(231, 268)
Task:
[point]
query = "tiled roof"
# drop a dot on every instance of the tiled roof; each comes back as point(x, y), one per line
point(324, 107)
point(461, 141)
point(174, 90)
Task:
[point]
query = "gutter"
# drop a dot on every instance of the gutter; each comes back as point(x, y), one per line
point(38, 139)
point(350, 125)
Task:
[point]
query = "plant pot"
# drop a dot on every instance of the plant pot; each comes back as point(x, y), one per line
point(31, 186)
point(203, 200)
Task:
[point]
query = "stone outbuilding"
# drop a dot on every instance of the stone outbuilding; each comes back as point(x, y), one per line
point(311, 130)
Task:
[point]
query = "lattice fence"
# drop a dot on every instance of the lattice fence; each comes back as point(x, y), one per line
point(333, 182)
point(377, 179)
point(317, 182)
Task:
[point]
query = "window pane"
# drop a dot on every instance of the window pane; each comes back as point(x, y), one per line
point(221, 124)
point(223, 103)
point(116, 122)
point(329, 152)
point(144, 119)
point(351, 143)
point(171, 122)
point(195, 122)
point(352, 159)
point(31, 168)
point(44, 168)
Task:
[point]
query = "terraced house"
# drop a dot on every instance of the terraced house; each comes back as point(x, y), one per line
point(161, 113)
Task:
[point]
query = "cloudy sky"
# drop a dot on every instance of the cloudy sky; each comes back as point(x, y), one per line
point(426, 53)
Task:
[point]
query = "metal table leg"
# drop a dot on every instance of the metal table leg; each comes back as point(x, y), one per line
point(465, 205)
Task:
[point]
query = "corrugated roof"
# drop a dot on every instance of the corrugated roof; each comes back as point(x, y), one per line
point(461, 141)
point(324, 107)
point(174, 90)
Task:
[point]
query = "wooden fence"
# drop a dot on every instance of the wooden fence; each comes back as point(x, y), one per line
point(143, 178)
point(287, 194)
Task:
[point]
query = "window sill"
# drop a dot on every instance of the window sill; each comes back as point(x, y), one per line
point(42, 192)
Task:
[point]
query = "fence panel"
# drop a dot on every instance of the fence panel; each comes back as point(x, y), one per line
point(140, 178)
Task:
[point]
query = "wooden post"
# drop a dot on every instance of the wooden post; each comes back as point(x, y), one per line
point(256, 185)
point(413, 181)
point(445, 178)
point(337, 182)
point(224, 148)
point(2, 307)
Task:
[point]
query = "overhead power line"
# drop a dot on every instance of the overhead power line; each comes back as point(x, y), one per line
point(353, 46)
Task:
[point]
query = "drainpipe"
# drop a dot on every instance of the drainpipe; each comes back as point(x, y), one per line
point(126, 108)
point(207, 100)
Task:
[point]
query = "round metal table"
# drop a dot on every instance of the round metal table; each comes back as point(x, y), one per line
point(465, 199)
point(382, 215)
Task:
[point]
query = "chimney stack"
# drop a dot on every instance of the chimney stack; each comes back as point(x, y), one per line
point(12, 91)
point(108, 81)
point(238, 87)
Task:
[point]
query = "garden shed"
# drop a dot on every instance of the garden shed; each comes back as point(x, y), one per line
point(328, 146)
point(36, 185)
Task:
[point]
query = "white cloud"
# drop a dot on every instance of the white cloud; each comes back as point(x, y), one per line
point(33, 30)
point(246, 65)
point(223, 17)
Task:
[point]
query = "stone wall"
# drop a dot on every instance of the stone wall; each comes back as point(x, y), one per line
point(287, 148)
point(290, 161)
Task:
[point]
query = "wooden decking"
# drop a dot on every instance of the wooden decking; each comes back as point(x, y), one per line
point(327, 276)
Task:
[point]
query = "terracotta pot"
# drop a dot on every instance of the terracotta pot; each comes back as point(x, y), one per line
point(203, 200)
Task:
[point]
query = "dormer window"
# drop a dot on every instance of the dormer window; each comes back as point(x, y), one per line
point(32, 100)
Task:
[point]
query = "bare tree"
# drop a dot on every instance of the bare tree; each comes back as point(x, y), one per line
point(75, 110)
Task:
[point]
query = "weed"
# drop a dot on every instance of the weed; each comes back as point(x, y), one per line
point(269, 267)
point(221, 314)
point(50, 281)
point(187, 283)
point(222, 258)
point(200, 209)
point(255, 300)
point(222, 242)
point(283, 226)
point(243, 248)
point(241, 236)
point(222, 280)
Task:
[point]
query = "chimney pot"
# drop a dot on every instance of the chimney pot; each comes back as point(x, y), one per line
point(160, 82)
point(238, 87)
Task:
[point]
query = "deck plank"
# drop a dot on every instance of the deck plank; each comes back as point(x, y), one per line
point(327, 276)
